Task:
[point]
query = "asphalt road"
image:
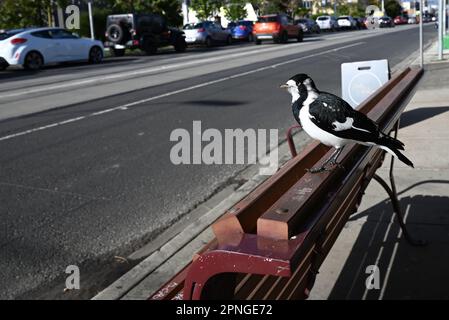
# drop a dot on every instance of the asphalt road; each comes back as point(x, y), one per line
point(79, 188)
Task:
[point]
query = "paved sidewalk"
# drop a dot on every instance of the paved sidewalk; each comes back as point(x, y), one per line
point(372, 237)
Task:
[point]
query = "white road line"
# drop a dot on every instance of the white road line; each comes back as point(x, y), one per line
point(133, 73)
point(204, 84)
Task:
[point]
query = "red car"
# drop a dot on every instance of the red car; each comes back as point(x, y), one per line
point(400, 20)
point(277, 27)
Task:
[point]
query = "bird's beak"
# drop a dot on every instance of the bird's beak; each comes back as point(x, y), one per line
point(283, 86)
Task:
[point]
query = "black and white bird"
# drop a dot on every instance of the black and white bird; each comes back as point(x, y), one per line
point(332, 121)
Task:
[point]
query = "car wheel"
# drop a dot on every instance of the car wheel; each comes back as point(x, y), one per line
point(149, 47)
point(284, 37)
point(300, 37)
point(115, 33)
point(33, 61)
point(180, 44)
point(209, 42)
point(3, 66)
point(258, 41)
point(118, 52)
point(229, 40)
point(250, 37)
point(95, 55)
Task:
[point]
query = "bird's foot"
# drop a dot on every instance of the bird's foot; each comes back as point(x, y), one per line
point(338, 165)
point(317, 170)
point(329, 167)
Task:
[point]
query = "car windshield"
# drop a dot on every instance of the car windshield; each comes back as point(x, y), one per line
point(301, 21)
point(9, 33)
point(267, 19)
point(192, 26)
point(323, 18)
point(245, 23)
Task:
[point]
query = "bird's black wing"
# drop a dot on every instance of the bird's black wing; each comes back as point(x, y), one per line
point(336, 116)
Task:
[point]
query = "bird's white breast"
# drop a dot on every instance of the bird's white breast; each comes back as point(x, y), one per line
point(316, 132)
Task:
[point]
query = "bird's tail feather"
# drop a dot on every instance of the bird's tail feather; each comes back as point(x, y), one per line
point(396, 153)
point(390, 142)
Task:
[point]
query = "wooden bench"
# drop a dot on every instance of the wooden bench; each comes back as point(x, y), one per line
point(271, 244)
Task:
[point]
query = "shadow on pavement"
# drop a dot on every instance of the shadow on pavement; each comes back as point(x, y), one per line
point(405, 272)
point(215, 103)
point(417, 115)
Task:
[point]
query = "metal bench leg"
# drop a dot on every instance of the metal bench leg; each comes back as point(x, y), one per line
point(395, 201)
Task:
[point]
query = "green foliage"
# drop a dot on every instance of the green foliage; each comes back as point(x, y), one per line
point(23, 13)
point(276, 6)
point(99, 16)
point(205, 8)
point(235, 10)
point(302, 12)
point(350, 9)
point(392, 8)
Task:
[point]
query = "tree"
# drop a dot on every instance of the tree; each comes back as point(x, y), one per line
point(205, 8)
point(235, 10)
point(276, 6)
point(23, 13)
point(392, 8)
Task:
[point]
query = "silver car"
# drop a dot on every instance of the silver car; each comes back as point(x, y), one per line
point(206, 32)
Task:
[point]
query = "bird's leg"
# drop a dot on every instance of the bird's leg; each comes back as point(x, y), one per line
point(337, 154)
point(329, 160)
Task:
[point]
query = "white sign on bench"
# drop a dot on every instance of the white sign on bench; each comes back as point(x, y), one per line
point(360, 79)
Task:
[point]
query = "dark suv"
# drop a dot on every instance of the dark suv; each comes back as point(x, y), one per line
point(147, 32)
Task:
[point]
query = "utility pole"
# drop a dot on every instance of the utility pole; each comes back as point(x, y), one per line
point(50, 14)
point(440, 30)
point(185, 11)
point(91, 20)
point(421, 49)
point(444, 17)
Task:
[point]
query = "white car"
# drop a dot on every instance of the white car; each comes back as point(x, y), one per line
point(347, 22)
point(34, 48)
point(327, 23)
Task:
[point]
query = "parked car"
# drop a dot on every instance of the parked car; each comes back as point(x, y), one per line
point(347, 22)
point(386, 22)
point(427, 18)
point(142, 31)
point(361, 22)
point(308, 25)
point(400, 20)
point(412, 20)
point(327, 23)
point(35, 47)
point(276, 27)
point(241, 30)
point(206, 32)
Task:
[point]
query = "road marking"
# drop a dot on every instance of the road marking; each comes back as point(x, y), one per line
point(133, 73)
point(171, 93)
